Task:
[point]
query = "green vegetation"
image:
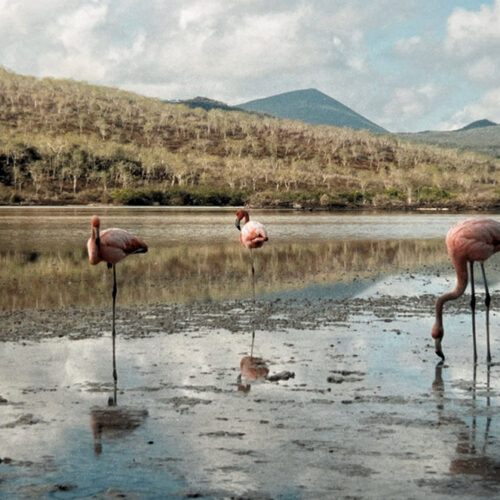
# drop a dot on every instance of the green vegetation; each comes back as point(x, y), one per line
point(68, 142)
point(175, 196)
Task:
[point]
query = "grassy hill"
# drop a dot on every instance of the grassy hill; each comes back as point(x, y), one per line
point(312, 106)
point(63, 141)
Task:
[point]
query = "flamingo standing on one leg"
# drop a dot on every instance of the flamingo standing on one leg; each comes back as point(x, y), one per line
point(111, 246)
point(468, 241)
point(252, 235)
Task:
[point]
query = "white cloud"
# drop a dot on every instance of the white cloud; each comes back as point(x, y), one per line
point(473, 41)
point(487, 107)
point(472, 45)
point(408, 45)
point(409, 104)
point(236, 50)
point(469, 30)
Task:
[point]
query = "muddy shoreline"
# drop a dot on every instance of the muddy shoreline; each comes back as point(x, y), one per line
point(315, 307)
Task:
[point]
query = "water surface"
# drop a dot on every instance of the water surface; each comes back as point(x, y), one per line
point(195, 254)
point(345, 304)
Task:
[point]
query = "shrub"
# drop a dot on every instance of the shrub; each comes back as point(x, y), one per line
point(394, 194)
point(182, 196)
point(432, 193)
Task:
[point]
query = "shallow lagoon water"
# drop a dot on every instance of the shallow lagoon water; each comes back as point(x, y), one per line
point(368, 413)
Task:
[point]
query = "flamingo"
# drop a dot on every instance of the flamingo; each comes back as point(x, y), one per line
point(252, 235)
point(468, 241)
point(111, 246)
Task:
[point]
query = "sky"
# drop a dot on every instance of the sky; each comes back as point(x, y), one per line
point(407, 65)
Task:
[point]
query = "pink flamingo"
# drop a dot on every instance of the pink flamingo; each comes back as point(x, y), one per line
point(252, 235)
point(111, 246)
point(468, 241)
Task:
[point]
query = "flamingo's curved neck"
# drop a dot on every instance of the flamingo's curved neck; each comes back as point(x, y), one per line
point(245, 217)
point(95, 234)
point(461, 270)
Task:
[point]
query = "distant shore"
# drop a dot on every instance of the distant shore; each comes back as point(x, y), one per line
point(312, 207)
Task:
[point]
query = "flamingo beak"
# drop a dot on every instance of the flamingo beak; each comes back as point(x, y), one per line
point(237, 224)
point(439, 351)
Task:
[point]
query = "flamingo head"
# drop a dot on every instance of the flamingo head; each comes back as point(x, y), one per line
point(241, 214)
point(437, 335)
point(95, 221)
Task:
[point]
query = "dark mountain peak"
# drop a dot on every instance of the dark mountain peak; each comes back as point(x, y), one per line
point(478, 124)
point(311, 106)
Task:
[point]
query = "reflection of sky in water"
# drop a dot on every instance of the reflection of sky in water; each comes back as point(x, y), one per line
point(59, 386)
point(225, 444)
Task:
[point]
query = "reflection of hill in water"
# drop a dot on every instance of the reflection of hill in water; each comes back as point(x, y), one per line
point(61, 278)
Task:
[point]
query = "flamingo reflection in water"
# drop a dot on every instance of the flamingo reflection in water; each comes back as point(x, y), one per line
point(113, 421)
point(472, 456)
point(252, 235)
point(111, 246)
point(255, 370)
point(251, 370)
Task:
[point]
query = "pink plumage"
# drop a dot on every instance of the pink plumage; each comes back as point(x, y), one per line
point(112, 245)
point(253, 234)
point(469, 241)
point(474, 240)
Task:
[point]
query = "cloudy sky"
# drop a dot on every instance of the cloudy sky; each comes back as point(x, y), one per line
point(407, 65)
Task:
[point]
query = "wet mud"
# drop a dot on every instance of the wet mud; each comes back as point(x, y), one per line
point(343, 398)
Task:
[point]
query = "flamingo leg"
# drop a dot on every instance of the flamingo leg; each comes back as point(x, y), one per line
point(473, 308)
point(487, 302)
point(115, 377)
point(488, 404)
point(253, 300)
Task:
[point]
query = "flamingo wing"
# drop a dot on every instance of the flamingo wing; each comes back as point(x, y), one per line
point(253, 234)
point(116, 244)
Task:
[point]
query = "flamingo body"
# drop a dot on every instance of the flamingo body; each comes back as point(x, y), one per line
point(473, 240)
point(112, 245)
point(253, 235)
point(469, 241)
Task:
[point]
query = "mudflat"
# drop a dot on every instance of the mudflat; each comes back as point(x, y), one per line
point(365, 411)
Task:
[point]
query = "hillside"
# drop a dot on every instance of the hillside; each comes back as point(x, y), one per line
point(312, 106)
point(484, 139)
point(63, 141)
